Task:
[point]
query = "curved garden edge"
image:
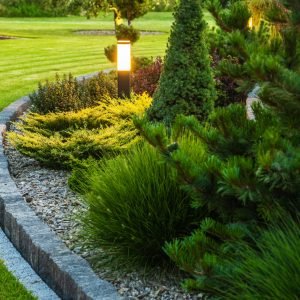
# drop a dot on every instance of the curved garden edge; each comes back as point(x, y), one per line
point(67, 274)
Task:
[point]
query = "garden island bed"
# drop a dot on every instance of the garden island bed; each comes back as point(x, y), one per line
point(47, 193)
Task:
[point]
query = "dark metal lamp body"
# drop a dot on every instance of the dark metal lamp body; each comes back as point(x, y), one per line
point(124, 84)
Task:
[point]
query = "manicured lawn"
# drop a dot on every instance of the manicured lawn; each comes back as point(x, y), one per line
point(49, 46)
point(10, 288)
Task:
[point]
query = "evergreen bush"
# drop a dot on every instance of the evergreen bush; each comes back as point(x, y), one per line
point(69, 94)
point(67, 139)
point(270, 268)
point(250, 177)
point(134, 205)
point(186, 85)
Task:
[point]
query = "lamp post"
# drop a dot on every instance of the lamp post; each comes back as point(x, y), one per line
point(124, 67)
point(250, 23)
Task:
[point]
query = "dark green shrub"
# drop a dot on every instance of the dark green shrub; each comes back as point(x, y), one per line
point(111, 53)
point(186, 85)
point(67, 139)
point(270, 269)
point(124, 32)
point(69, 94)
point(250, 177)
point(134, 205)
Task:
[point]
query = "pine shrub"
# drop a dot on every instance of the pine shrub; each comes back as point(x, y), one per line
point(250, 177)
point(186, 85)
point(69, 94)
point(269, 269)
point(67, 139)
point(134, 205)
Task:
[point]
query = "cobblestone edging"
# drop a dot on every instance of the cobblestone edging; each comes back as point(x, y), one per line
point(67, 274)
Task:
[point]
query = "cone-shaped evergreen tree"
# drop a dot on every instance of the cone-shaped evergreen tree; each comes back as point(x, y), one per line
point(186, 85)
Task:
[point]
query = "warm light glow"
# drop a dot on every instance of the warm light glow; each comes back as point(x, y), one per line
point(124, 56)
point(250, 23)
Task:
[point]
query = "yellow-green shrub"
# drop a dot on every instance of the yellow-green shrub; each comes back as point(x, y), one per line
point(66, 139)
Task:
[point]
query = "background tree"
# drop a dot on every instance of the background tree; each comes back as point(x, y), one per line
point(127, 9)
point(186, 85)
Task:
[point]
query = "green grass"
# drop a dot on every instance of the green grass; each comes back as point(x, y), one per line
point(49, 46)
point(10, 287)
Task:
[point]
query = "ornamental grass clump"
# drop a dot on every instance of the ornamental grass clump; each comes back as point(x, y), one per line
point(134, 205)
point(67, 139)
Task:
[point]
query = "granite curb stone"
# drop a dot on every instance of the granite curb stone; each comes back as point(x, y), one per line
point(16, 264)
point(66, 273)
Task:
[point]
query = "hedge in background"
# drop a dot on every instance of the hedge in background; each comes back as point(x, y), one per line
point(66, 139)
point(34, 8)
point(270, 269)
point(70, 94)
point(186, 85)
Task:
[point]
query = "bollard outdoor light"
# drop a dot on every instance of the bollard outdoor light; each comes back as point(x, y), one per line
point(124, 67)
point(250, 23)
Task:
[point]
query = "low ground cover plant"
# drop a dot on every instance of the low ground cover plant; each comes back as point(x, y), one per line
point(66, 139)
point(70, 94)
point(134, 205)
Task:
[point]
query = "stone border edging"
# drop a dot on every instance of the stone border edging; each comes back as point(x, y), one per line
point(69, 275)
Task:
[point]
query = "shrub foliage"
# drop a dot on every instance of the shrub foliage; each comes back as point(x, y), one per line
point(186, 85)
point(66, 139)
point(146, 79)
point(250, 177)
point(268, 269)
point(69, 94)
point(124, 32)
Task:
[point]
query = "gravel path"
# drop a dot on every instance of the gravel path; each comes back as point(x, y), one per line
point(46, 192)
